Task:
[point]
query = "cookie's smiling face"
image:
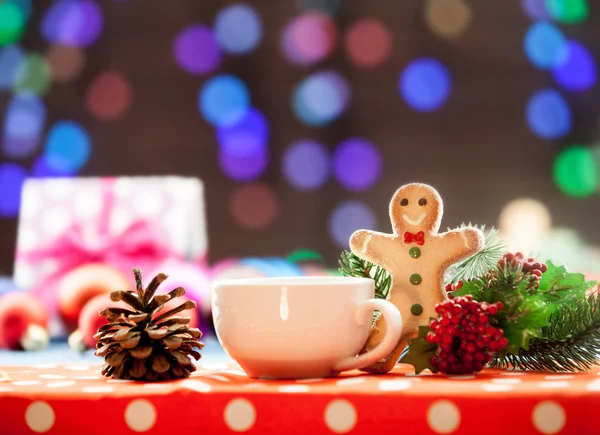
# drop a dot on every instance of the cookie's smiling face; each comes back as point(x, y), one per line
point(416, 207)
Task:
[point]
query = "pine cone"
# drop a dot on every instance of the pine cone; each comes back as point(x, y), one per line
point(143, 344)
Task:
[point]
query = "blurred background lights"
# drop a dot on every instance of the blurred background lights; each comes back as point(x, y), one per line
point(535, 9)
point(321, 98)
point(347, 218)
point(23, 5)
point(357, 164)
point(309, 38)
point(248, 136)
point(425, 84)
point(12, 22)
point(368, 42)
point(568, 11)
point(305, 165)
point(41, 169)
point(448, 18)
point(224, 100)
point(33, 75)
point(330, 7)
point(67, 147)
point(524, 223)
point(548, 115)
point(254, 206)
point(23, 125)
point(238, 29)
point(196, 50)
point(77, 23)
point(243, 168)
point(544, 44)
point(576, 68)
point(65, 62)
point(11, 57)
point(576, 171)
point(12, 177)
point(109, 96)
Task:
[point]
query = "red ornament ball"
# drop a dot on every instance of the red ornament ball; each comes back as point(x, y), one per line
point(18, 312)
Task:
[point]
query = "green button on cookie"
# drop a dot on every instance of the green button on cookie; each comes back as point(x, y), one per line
point(414, 252)
point(416, 309)
point(415, 279)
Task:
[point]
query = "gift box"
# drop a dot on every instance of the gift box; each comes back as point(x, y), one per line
point(124, 222)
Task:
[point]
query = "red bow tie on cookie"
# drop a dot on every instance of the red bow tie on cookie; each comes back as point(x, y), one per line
point(418, 238)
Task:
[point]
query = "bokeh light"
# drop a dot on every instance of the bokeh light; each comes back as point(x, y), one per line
point(309, 38)
point(254, 206)
point(576, 171)
point(243, 168)
point(77, 23)
point(109, 96)
point(196, 50)
point(576, 68)
point(425, 84)
point(357, 164)
point(347, 218)
point(12, 177)
point(544, 44)
point(248, 136)
point(23, 125)
point(448, 18)
point(548, 115)
point(535, 9)
point(65, 62)
point(68, 147)
point(305, 165)
point(330, 7)
point(224, 100)
point(33, 75)
point(321, 98)
point(368, 42)
point(11, 58)
point(238, 29)
point(524, 223)
point(568, 11)
point(12, 22)
point(23, 5)
point(41, 169)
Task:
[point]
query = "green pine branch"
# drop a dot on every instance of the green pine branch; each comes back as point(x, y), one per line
point(570, 342)
point(354, 266)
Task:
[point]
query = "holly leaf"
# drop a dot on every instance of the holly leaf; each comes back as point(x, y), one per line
point(557, 284)
point(419, 352)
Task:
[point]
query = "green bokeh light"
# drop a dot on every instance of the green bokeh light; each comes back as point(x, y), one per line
point(568, 11)
point(33, 75)
point(304, 255)
point(11, 23)
point(576, 171)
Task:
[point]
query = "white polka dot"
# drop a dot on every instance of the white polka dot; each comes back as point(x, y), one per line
point(497, 388)
point(423, 373)
point(201, 387)
point(309, 380)
point(511, 381)
point(294, 389)
point(592, 386)
point(548, 417)
point(443, 416)
point(86, 378)
point(340, 416)
point(51, 376)
point(98, 389)
point(512, 373)
point(25, 383)
point(239, 415)
point(461, 377)
point(77, 368)
point(140, 415)
point(351, 381)
point(394, 385)
point(554, 384)
point(55, 221)
point(39, 417)
point(60, 384)
point(558, 377)
point(254, 385)
point(87, 204)
point(120, 381)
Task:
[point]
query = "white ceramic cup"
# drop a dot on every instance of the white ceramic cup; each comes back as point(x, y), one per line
point(300, 327)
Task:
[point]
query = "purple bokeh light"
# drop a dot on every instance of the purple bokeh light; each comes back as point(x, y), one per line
point(41, 169)
point(196, 50)
point(536, 9)
point(77, 23)
point(243, 168)
point(305, 165)
point(248, 136)
point(347, 218)
point(576, 69)
point(12, 177)
point(357, 164)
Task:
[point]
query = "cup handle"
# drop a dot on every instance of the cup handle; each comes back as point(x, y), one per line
point(393, 321)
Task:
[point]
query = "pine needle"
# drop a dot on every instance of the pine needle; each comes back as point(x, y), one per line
point(354, 266)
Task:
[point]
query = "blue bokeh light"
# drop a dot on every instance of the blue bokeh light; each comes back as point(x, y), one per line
point(543, 44)
point(68, 147)
point(576, 68)
point(357, 164)
point(12, 177)
point(75, 23)
point(238, 29)
point(23, 125)
point(321, 98)
point(11, 58)
point(305, 165)
point(548, 115)
point(243, 168)
point(425, 84)
point(224, 100)
point(247, 136)
point(23, 5)
point(347, 218)
point(41, 169)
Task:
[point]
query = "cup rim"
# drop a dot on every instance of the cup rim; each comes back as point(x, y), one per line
point(292, 281)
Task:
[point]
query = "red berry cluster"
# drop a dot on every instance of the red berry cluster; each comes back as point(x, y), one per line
point(530, 266)
point(466, 339)
point(453, 287)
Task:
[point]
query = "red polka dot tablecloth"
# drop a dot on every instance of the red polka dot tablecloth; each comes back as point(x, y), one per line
point(220, 399)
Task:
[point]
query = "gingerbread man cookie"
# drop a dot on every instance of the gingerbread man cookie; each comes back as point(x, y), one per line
point(416, 256)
